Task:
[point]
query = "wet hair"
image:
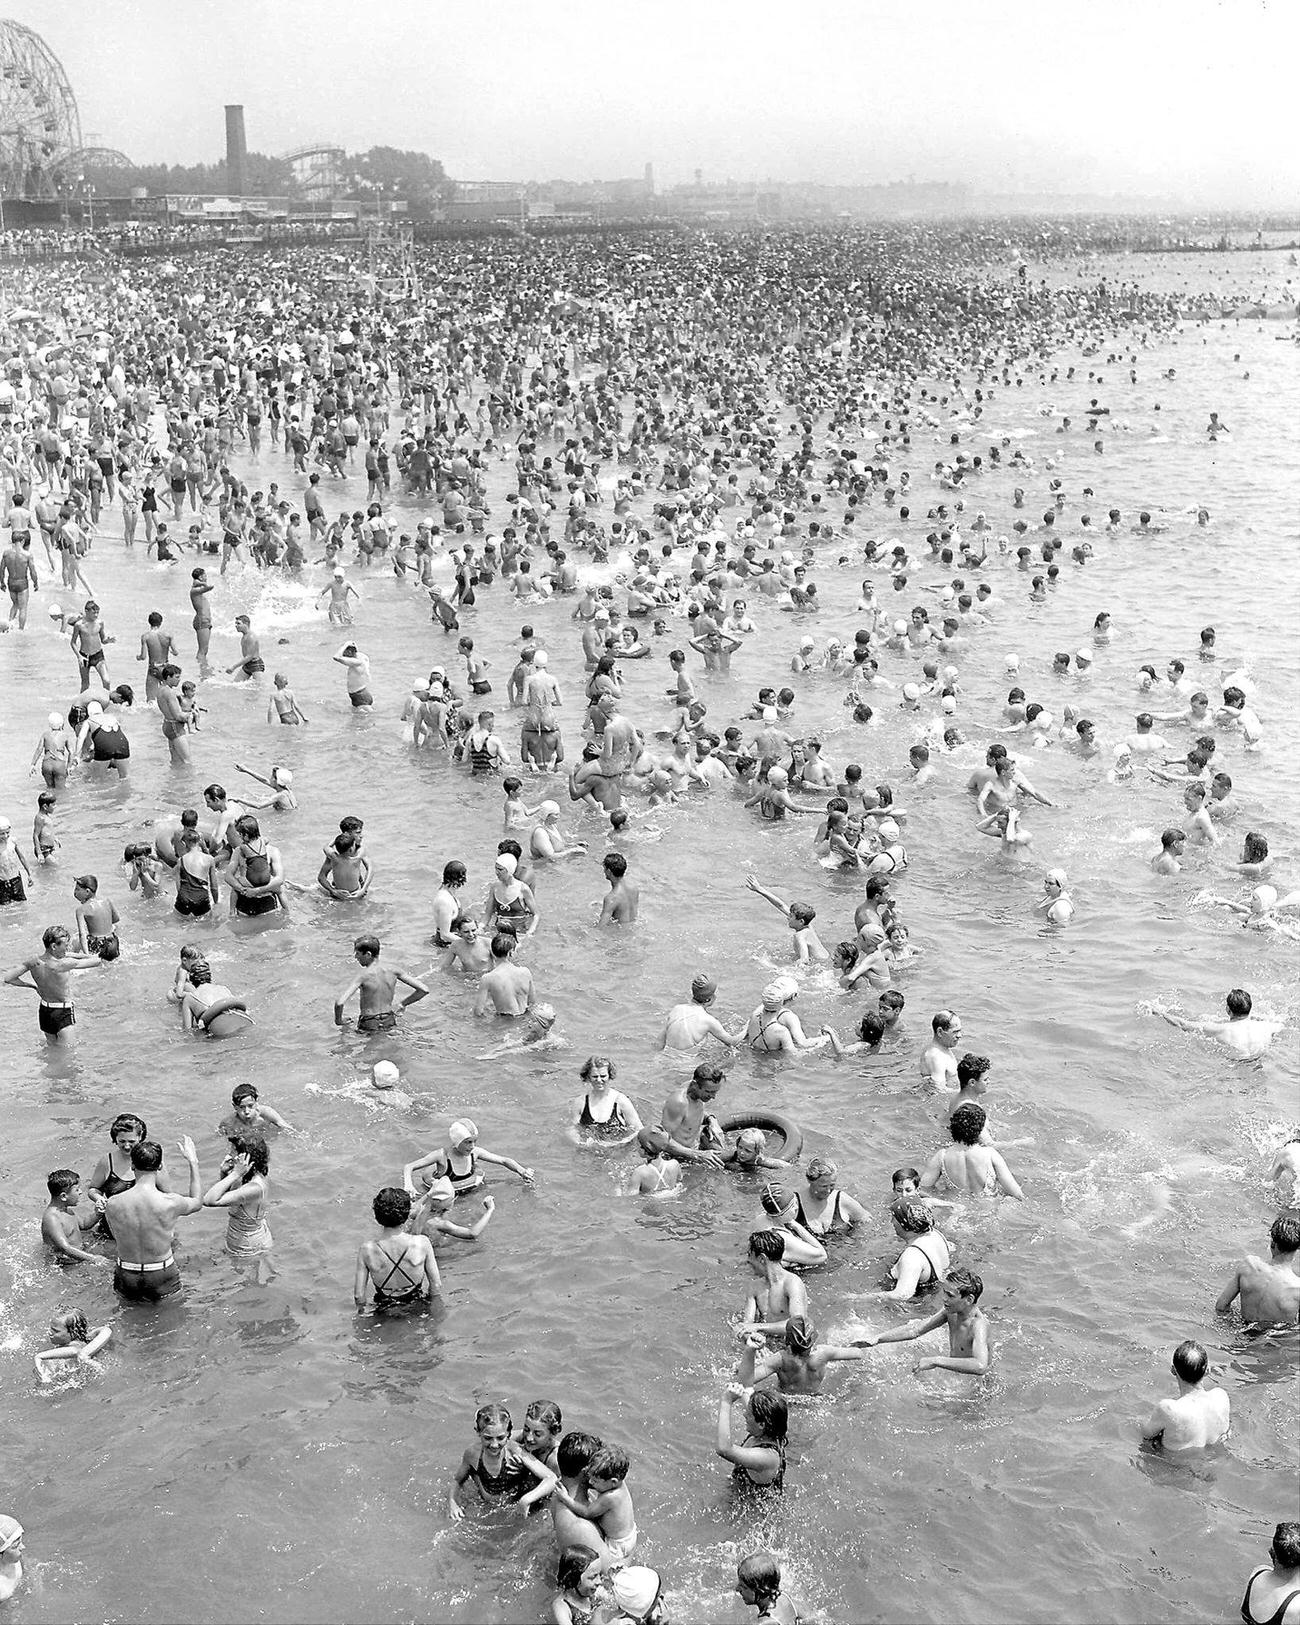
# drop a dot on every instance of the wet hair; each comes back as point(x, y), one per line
point(594, 1061)
point(914, 1216)
point(903, 1175)
point(574, 1451)
point(255, 1148)
point(241, 1092)
point(972, 1067)
point(503, 944)
point(871, 1029)
point(62, 1180)
point(1170, 837)
point(1286, 1545)
point(768, 1244)
point(454, 873)
point(76, 1323)
point(391, 1206)
point(760, 1573)
point(615, 864)
point(1191, 1362)
point(367, 945)
point(485, 1415)
point(1284, 1233)
point(770, 1412)
point(572, 1564)
point(545, 1411)
point(88, 883)
point(968, 1284)
point(802, 913)
point(55, 933)
point(146, 1158)
point(1255, 848)
point(610, 1461)
point(1239, 1002)
point(892, 999)
point(128, 1120)
point(199, 972)
point(942, 1021)
point(967, 1123)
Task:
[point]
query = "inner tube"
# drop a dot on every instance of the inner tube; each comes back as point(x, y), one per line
point(225, 1017)
point(771, 1123)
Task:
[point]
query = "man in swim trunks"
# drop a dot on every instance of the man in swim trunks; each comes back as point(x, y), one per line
point(1269, 1292)
point(142, 1219)
point(400, 1268)
point(939, 1059)
point(200, 587)
point(377, 986)
point(158, 648)
point(1246, 1035)
point(250, 661)
point(695, 1135)
point(256, 872)
point(174, 713)
point(1199, 1416)
point(48, 977)
point(358, 669)
point(18, 574)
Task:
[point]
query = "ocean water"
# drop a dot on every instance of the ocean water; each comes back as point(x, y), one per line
point(259, 1452)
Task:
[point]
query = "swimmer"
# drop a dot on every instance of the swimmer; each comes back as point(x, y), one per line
point(398, 1268)
point(774, 1028)
point(1269, 1293)
point(969, 1165)
point(799, 1367)
point(782, 1296)
point(1247, 1036)
point(688, 1025)
point(377, 986)
point(536, 1033)
point(758, 1585)
point(430, 1215)
point(1057, 904)
point(280, 784)
point(661, 1173)
point(458, 1161)
point(72, 1339)
point(808, 946)
point(1166, 861)
point(1199, 1416)
point(1284, 1172)
point(1260, 913)
point(968, 1328)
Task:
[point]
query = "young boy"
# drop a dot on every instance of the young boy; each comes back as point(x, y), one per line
point(250, 660)
point(748, 1152)
point(44, 841)
point(968, 1328)
point(660, 1173)
point(345, 874)
point(97, 919)
point(782, 1294)
point(60, 1227)
point(13, 866)
point(249, 1114)
point(507, 989)
point(377, 986)
point(604, 1499)
point(622, 902)
point(807, 944)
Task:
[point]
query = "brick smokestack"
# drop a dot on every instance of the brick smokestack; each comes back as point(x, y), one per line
point(236, 151)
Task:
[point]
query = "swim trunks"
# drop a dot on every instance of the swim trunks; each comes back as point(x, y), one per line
point(252, 905)
point(147, 1283)
point(107, 946)
point(251, 667)
point(11, 891)
point(377, 1021)
point(361, 696)
point(53, 1018)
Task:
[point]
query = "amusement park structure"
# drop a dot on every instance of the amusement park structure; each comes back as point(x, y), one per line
point(318, 170)
point(40, 128)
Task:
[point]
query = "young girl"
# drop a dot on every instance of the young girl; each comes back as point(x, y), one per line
point(516, 813)
point(11, 1556)
point(760, 1460)
point(73, 1339)
point(758, 1584)
point(143, 869)
point(577, 1575)
point(499, 1469)
point(660, 1173)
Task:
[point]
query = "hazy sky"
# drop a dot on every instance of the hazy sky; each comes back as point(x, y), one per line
point(1190, 97)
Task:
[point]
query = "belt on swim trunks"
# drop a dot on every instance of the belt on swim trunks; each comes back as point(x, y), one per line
point(56, 1004)
point(145, 1269)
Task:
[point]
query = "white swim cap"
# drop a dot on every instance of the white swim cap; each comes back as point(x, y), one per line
point(807, 643)
point(338, 574)
point(56, 721)
point(777, 775)
point(506, 862)
point(769, 713)
point(282, 775)
point(911, 692)
point(442, 1189)
point(949, 704)
point(462, 1129)
point(549, 809)
point(900, 627)
point(94, 709)
point(1056, 877)
point(539, 659)
point(1264, 897)
point(384, 1075)
point(888, 829)
point(1013, 662)
point(1083, 658)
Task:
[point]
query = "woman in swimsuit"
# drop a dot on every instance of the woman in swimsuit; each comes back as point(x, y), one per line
point(760, 1461)
point(604, 1115)
point(254, 864)
point(498, 1468)
point(458, 1161)
point(196, 876)
point(124, 1133)
point(510, 904)
point(925, 1258)
point(774, 1029)
point(400, 1267)
point(1273, 1595)
point(825, 1207)
point(242, 1191)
